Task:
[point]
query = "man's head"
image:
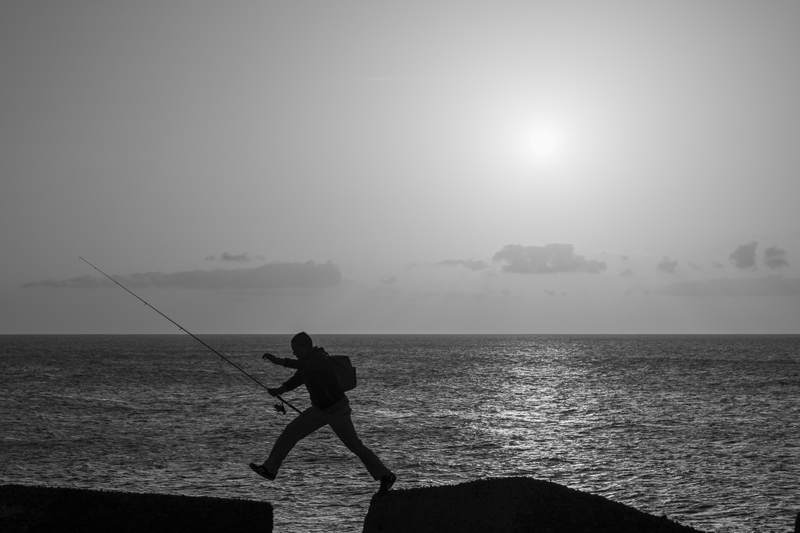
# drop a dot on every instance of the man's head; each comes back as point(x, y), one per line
point(302, 344)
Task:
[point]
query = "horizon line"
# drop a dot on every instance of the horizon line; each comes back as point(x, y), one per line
point(420, 333)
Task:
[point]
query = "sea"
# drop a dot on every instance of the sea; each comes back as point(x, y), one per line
point(702, 429)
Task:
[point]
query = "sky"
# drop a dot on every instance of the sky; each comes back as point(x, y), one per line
point(400, 167)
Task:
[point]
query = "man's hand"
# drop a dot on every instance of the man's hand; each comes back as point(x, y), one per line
point(269, 357)
point(274, 392)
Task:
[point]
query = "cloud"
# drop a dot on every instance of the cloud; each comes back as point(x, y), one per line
point(270, 276)
point(744, 256)
point(243, 257)
point(235, 258)
point(471, 264)
point(547, 259)
point(771, 286)
point(627, 273)
point(667, 265)
point(717, 264)
point(775, 257)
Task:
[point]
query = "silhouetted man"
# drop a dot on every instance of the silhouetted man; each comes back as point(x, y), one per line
point(329, 406)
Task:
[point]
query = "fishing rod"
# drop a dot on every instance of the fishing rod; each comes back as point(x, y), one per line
point(192, 335)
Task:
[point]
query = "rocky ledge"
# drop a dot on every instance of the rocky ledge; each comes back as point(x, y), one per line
point(56, 510)
point(507, 505)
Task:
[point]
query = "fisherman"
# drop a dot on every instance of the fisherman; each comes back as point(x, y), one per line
point(329, 405)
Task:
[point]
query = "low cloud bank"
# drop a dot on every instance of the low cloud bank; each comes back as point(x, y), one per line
point(547, 259)
point(270, 276)
point(470, 264)
point(243, 257)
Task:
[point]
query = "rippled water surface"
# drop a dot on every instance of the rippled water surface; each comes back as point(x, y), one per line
point(702, 429)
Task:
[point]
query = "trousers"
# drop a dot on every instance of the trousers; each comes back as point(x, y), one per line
point(338, 418)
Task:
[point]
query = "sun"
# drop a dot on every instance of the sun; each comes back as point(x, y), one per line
point(546, 144)
point(541, 146)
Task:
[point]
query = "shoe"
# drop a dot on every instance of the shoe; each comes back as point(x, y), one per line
point(262, 471)
point(386, 483)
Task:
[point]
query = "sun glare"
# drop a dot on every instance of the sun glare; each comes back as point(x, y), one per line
point(546, 144)
point(543, 146)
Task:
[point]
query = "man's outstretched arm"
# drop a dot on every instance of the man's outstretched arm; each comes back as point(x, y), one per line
point(282, 361)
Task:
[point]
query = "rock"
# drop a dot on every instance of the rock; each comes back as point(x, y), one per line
point(507, 505)
point(44, 509)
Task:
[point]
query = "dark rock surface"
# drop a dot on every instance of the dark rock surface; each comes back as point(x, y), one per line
point(507, 505)
point(42, 509)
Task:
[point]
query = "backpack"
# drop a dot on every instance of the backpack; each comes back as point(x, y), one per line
point(345, 372)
